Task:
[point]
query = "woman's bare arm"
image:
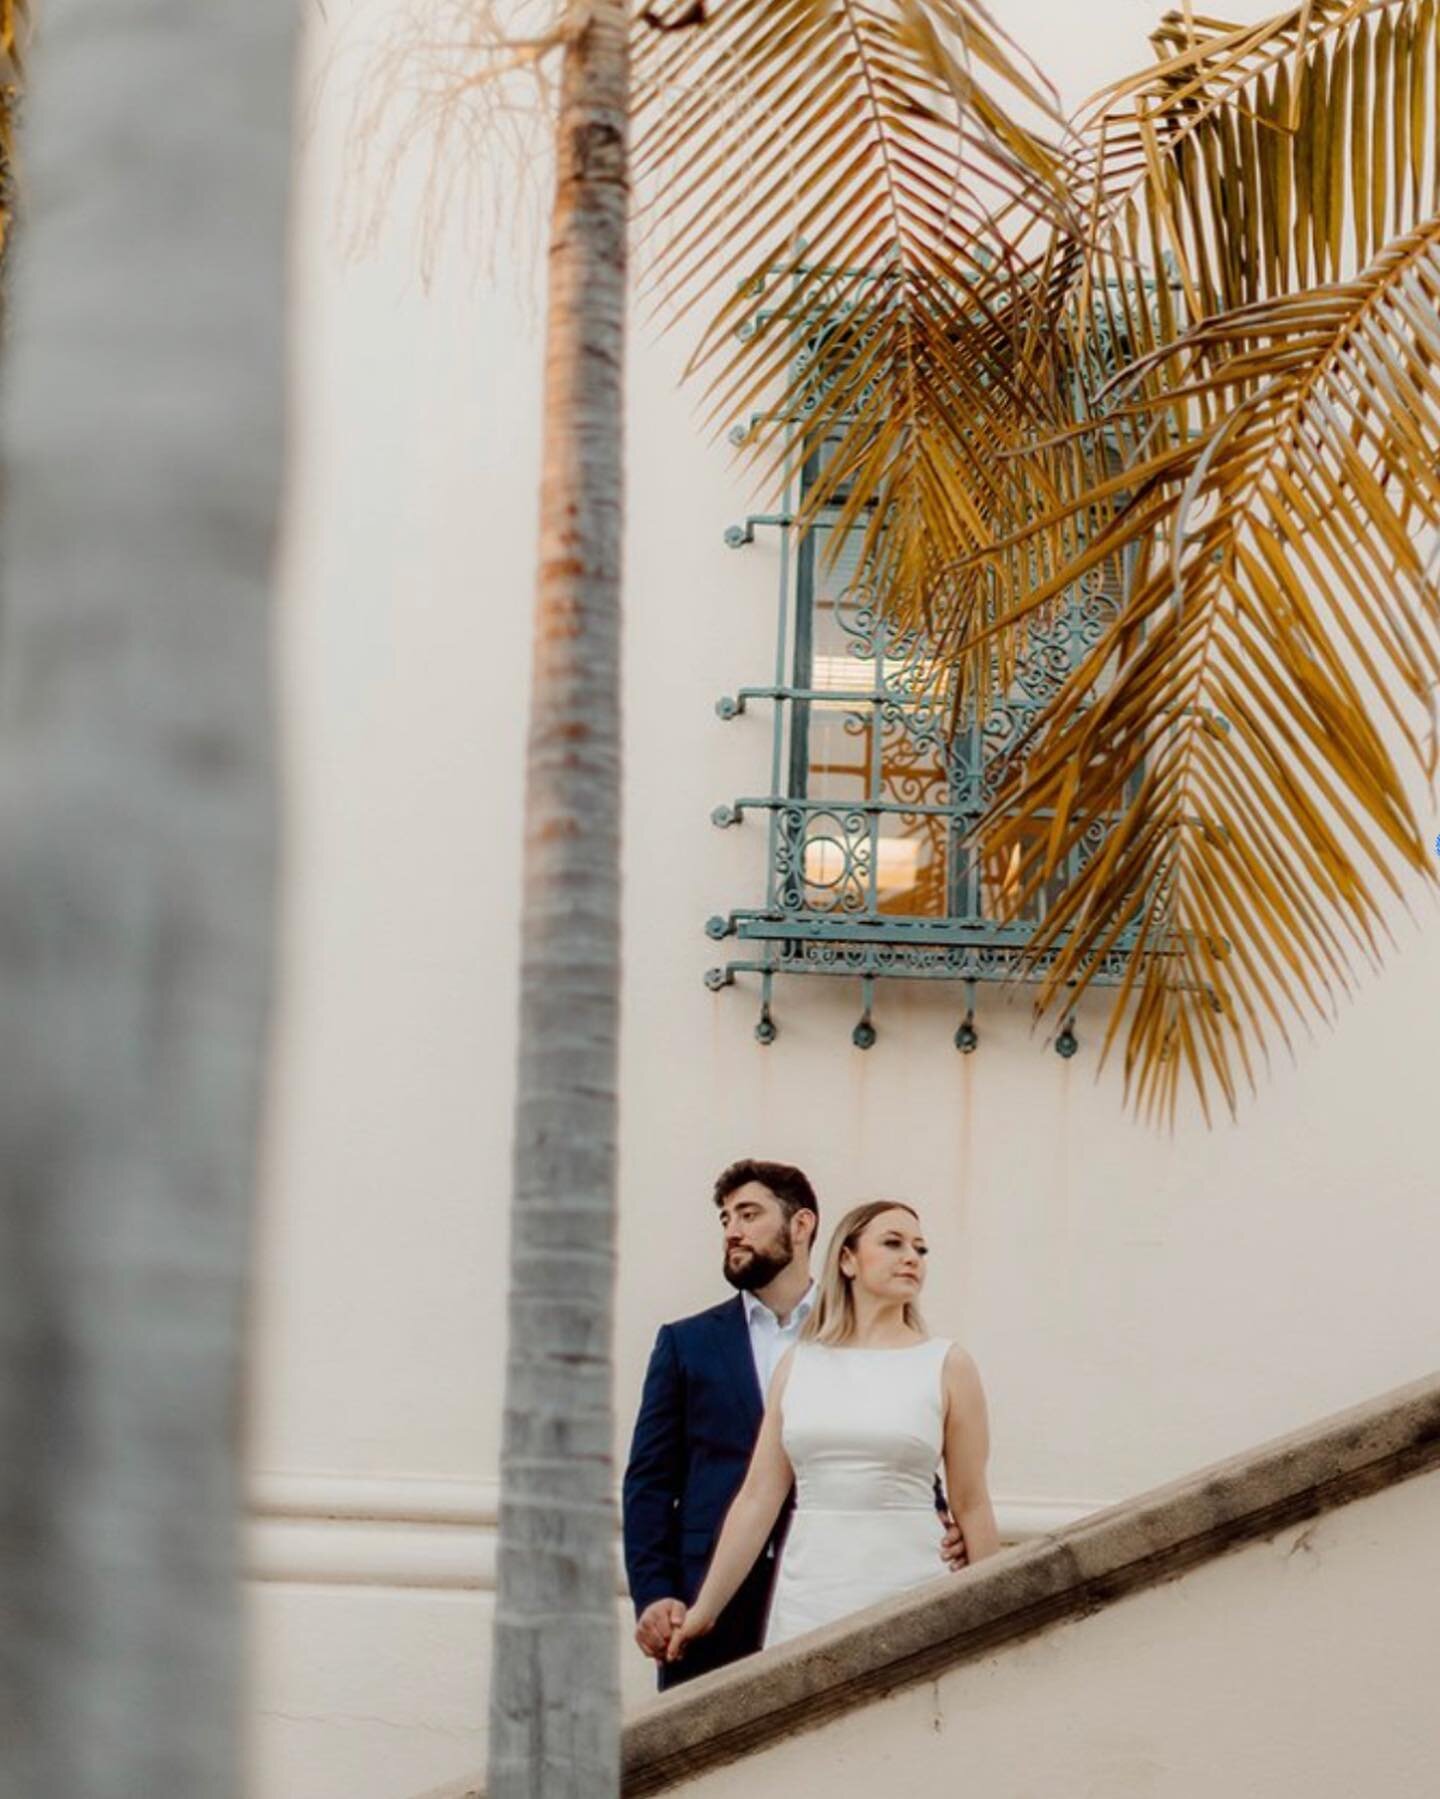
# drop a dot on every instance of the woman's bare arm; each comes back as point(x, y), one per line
point(967, 1450)
point(748, 1523)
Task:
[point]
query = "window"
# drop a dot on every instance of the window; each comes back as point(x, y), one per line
point(866, 872)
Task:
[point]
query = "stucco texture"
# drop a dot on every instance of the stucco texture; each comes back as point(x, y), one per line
point(1303, 1667)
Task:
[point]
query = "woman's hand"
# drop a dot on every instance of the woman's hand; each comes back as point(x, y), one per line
point(654, 1625)
point(952, 1545)
point(693, 1623)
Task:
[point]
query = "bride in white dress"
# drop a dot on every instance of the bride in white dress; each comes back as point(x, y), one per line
point(859, 1415)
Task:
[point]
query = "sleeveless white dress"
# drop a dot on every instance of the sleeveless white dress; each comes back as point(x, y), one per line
point(863, 1429)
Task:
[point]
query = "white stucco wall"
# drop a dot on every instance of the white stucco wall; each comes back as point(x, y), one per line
point(1139, 1303)
point(1301, 1668)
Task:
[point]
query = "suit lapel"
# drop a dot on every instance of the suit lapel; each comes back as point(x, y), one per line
point(734, 1334)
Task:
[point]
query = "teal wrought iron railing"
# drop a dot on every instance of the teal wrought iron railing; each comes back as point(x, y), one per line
point(871, 798)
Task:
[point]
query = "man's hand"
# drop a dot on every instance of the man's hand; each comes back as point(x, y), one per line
point(952, 1545)
point(657, 1624)
point(693, 1623)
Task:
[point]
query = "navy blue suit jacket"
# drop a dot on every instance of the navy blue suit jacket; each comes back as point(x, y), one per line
point(699, 1417)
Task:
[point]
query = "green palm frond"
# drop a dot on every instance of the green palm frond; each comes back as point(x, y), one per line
point(852, 180)
point(1282, 597)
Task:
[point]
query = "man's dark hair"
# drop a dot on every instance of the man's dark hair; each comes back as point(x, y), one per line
point(788, 1184)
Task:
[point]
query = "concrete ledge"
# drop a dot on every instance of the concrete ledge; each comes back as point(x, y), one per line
point(338, 1530)
point(722, 1717)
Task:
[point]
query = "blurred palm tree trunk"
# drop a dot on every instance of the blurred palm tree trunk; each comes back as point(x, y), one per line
point(554, 1703)
point(142, 438)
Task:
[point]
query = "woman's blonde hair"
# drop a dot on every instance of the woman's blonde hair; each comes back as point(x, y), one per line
point(832, 1318)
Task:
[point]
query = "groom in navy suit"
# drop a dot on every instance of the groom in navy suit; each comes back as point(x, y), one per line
point(700, 1414)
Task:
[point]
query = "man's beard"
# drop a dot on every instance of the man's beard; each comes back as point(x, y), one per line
point(761, 1266)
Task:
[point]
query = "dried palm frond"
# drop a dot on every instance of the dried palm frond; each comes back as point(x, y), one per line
point(855, 183)
point(1270, 155)
point(14, 41)
point(1282, 598)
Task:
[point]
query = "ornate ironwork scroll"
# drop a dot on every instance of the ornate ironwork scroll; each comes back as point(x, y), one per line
point(867, 873)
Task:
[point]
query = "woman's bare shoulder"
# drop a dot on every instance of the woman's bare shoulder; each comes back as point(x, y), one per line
point(961, 1371)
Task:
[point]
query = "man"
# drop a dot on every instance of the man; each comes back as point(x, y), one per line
point(700, 1414)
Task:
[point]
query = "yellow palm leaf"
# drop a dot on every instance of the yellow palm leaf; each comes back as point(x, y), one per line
point(1289, 150)
point(844, 186)
point(1283, 598)
point(14, 40)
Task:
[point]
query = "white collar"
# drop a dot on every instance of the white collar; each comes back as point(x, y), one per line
point(756, 1309)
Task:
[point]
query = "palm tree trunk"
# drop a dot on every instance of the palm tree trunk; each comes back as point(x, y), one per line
point(554, 1704)
point(142, 437)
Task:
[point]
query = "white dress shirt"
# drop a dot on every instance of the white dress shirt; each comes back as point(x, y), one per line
point(769, 1339)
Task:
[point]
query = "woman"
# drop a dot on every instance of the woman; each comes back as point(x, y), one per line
point(858, 1416)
